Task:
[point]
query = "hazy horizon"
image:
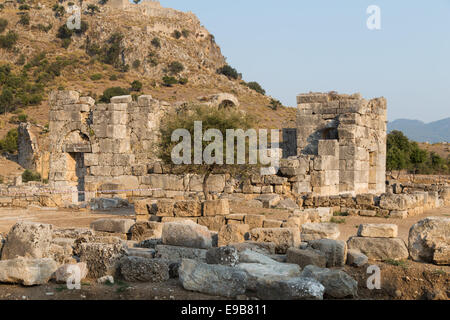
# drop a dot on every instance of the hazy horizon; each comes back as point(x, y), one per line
point(296, 46)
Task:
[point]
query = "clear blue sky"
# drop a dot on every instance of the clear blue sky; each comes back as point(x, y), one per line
point(296, 46)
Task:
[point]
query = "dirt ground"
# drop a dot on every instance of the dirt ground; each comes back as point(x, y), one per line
point(406, 280)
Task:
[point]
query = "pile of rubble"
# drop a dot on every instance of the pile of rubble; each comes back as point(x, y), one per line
point(302, 262)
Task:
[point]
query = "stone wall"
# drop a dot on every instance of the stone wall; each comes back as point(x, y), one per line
point(346, 137)
point(100, 146)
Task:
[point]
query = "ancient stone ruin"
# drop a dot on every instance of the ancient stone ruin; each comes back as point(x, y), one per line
point(341, 143)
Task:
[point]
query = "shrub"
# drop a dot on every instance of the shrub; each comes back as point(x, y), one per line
point(9, 40)
point(83, 28)
point(176, 67)
point(113, 77)
point(185, 33)
point(59, 11)
point(169, 81)
point(136, 64)
point(96, 76)
point(9, 142)
point(29, 175)
point(113, 92)
point(3, 25)
point(256, 86)
point(228, 71)
point(275, 104)
point(183, 81)
point(21, 60)
point(65, 43)
point(64, 32)
point(156, 42)
point(176, 34)
point(92, 9)
point(136, 85)
point(24, 7)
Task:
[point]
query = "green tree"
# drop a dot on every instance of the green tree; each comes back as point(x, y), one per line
point(228, 71)
point(9, 142)
point(176, 67)
point(211, 118)
point(113, 92)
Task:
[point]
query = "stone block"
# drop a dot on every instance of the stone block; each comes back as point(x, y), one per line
point(233, 233)
point(378, 231)
point(329, 148)
point(188, 208)
point(216, 208)
point(283, 238)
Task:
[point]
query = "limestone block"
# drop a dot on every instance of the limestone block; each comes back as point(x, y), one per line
point(254, 221)
point(233, 233)
point(215, 183)
point(212, 223)
point(188, 208)
point(187, 234)
point(216, 207)
point(165, 208)
point(113, 225)
point(429, 240)
point(378, 230)
point(122, 99)
point(28, 239)
point(317, 231)
point(283, 238)
point(380, 249)
point(329, 148)
point(301, 187)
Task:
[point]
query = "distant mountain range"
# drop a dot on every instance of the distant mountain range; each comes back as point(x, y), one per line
point(434, 132)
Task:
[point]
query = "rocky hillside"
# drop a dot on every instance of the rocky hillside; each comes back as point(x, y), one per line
point(113, 48)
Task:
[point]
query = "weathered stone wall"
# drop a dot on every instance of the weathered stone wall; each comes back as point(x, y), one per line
point(100, 146)
point(345, 136)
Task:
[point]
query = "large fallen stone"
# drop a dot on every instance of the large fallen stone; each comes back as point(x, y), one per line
point(337, 283)
point(276, 270)
point(102, 259)
point(62, 253)
point(177, 254)
point(397, 202)
point(138, 269)
point(356, 258)
point(144, 230)
point(28, 239)
point(215, 280)
point(266, 248)
point(380, 249)
point(227, 256)
point(429, 240)
point(233, 233)
point(317, 231)
point(71, 272)
point(283, 238)
point(306, 257)
point(250, 256)
point(186, 234)
point(290, 289)
point(113, 225)
point(28, 272)
point(378, 230)
point(335, 251)
point(72, 233)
